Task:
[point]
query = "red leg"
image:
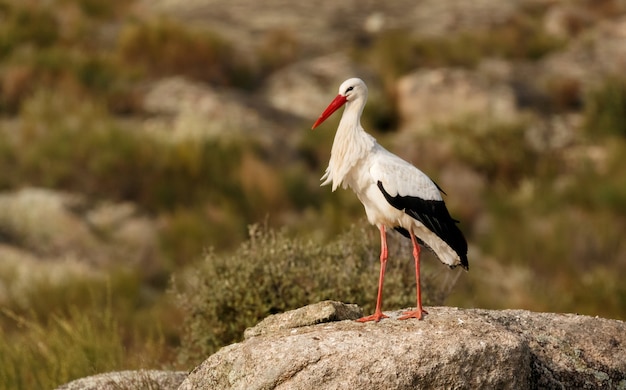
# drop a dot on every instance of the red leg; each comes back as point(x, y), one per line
point(419, 311)
point(378, 314)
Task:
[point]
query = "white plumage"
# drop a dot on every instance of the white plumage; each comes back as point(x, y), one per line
point(395, 194)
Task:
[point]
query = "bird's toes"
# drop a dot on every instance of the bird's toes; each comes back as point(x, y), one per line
point(374, 317)
point(419, 314)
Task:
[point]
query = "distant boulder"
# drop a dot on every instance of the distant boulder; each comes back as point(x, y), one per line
point(62, 225)
point(187, 110)
point(439, 96)
point(45, 222)
point(52, 238)
point(594, 55)
point(305, 88)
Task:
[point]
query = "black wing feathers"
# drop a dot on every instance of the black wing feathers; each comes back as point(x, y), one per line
point(435, 216)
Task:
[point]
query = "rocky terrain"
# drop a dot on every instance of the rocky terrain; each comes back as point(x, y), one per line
point(533, 106)
point(321, 346)
point(426, 99)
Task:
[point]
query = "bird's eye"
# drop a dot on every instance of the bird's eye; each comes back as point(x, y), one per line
point(349, 89)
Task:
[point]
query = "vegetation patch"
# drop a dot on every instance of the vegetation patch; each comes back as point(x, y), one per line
point(605, 108)
point(224, 294)
point(396, 52)
point(163, 47)
point(79, 329)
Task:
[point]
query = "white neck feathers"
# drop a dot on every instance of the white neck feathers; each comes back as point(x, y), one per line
point(351, 144)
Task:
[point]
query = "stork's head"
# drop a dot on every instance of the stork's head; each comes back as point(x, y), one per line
point(350, 90)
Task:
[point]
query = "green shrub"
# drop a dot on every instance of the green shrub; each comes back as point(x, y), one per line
point(37, 26)
point(271, 273)
point(277, 49)
point(103, 9)
point(43, 48)
point(187, 232)
point(196, 184)
point(496, 150)
point(605, 108)
point(554, 236)
point(90, 152)
point(599, 184)
point(164, 47)
point(553, 251)
point(395, 52)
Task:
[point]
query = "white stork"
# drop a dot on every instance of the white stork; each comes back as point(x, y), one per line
point(394, 193)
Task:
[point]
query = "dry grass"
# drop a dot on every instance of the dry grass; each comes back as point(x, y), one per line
point(68, 336)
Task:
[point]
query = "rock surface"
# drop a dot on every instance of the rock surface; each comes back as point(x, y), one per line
point(427, 97)
point(592, 56)
point(335, 23)
point(52, 238)
point(305, 88)
point(184, 110)
point(327, 311)
point(22, 274)
point(61, 225)
point(45, 221)
point(450, 348)
point(142, 379)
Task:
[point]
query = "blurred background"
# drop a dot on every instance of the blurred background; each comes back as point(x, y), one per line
point(159, 184)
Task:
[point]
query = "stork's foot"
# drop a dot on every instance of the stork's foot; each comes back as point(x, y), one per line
point(377, 316)
point(419, 314)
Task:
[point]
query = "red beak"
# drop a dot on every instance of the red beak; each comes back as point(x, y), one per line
point(339, 101)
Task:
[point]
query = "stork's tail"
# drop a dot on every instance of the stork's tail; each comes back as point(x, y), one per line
point(462, 256)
